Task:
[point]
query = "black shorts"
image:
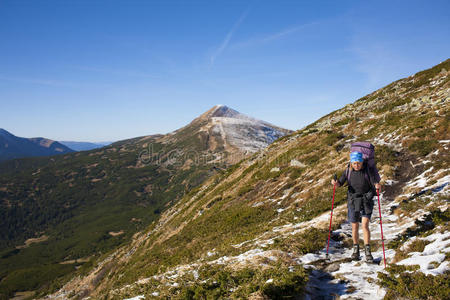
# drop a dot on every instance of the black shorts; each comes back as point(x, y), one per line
point(356, 217)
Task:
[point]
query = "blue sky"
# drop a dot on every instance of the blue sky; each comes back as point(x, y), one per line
point(110, 70)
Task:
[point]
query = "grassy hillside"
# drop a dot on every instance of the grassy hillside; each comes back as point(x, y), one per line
point(85, 203)
point(58, 214)
point(240, 234)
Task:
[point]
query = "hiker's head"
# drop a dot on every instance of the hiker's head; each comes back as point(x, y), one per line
point(356, 160)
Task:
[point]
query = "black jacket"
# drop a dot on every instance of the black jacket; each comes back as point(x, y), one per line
point(360, 189)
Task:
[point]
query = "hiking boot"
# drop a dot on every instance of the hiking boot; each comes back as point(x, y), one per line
point(355, 254)
point(369, 257)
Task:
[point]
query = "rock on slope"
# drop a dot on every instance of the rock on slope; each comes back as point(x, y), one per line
point(259, 230)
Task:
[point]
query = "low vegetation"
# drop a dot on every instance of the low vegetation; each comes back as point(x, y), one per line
point(407, 282)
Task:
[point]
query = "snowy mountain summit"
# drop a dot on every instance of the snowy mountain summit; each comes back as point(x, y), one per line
point(239, 131)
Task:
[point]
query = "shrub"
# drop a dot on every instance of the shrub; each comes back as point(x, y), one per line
point(306, 242)
point(333, 137)
point(294, 172)
point(312, 159)
point(393, 104)
point(245, 189)
point(423, 77)
point(343, 122)
point(224, 283)
point(423, 147)
point(386, 155)
point(266, 173)
point(401, 282)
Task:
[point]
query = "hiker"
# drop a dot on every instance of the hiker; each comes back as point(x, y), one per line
point(362, 187)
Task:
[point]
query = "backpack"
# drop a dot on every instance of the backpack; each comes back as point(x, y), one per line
point(368, 152)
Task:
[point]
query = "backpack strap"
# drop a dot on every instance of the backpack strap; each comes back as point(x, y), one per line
point(348, 172)
point(369, 176)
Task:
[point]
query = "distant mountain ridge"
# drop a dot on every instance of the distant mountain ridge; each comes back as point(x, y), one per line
point(84, 146)
point(12, 146)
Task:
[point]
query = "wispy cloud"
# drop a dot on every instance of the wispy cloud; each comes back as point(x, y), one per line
point(376, 58)
point(227, 38)
point(372, 61)
point(274, 36)
point(40, 81)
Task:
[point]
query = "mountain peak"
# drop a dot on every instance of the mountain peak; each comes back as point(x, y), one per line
point(224, 111)
point(221, 110)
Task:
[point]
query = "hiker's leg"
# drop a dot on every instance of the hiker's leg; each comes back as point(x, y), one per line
point(365, 228)
point(355, 232)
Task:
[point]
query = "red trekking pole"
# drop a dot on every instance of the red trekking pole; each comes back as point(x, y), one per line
point(381, 226)
point(331, 217)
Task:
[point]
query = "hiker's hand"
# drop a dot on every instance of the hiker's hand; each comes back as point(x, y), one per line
point(333, 182)
point(378, 187)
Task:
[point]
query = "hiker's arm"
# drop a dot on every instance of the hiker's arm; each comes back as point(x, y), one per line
point(340, 181)
point(376, 179)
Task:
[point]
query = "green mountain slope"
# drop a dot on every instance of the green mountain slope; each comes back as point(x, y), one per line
point(57, 214)
point(242, 233)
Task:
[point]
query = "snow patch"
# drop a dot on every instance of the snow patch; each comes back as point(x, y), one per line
point(136, 298)
point(390, 182)
point(421, 180)
point(246, 133)
point(433, 253)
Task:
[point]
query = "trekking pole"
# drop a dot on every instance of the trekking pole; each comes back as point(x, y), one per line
point(331, 216)
point(381, 226)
